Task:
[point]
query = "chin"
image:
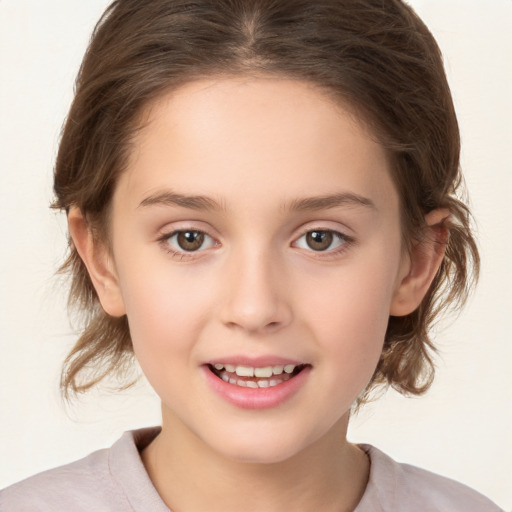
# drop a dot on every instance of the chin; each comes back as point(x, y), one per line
point(258, 448)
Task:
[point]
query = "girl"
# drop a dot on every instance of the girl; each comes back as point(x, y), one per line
point(261, 199)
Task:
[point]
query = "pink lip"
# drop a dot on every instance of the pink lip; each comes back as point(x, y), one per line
point(260, 398)
point(255, 362)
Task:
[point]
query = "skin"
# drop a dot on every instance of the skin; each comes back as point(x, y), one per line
point(256, 147)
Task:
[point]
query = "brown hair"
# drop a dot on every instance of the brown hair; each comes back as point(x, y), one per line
point(376, 55)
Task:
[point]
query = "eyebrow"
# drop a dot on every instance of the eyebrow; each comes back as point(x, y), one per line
point(170, 198)
point(199, 202)
point(330, 201)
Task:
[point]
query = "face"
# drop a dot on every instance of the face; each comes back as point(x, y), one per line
point(256, 246)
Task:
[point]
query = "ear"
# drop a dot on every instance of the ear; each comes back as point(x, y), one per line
point(99, 263)
point(421, 265)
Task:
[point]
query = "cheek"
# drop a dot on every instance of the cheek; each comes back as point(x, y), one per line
point(355, 298)
point(350, 316)
point(165, 308)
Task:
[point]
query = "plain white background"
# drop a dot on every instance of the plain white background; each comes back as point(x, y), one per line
point(461, 428)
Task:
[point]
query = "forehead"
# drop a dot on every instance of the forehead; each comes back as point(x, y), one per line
point(221, 137)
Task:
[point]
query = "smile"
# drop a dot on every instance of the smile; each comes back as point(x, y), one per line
point(257, 384)
point(255, 377)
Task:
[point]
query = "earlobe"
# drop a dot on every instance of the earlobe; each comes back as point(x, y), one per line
point(422, 265)
point(96, 258)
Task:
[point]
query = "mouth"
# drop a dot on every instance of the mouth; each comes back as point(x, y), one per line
point(256, 377)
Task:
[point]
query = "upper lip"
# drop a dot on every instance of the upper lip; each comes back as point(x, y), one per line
point(255, 362)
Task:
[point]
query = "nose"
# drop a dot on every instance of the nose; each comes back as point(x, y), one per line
point(257, 299)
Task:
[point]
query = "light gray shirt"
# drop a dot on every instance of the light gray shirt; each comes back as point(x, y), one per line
point(115, 480)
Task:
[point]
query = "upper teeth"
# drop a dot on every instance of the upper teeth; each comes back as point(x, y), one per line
point(250, 371)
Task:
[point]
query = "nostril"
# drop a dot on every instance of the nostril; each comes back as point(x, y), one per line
point(246, 325)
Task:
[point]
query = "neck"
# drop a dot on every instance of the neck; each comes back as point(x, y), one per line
point(329, 475)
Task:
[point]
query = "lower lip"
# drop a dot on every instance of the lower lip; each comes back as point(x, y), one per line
point(257, 398)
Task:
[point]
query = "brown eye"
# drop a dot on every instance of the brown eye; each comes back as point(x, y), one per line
point(190, 240)
point(183, 241)
point(319, 240)
point(323, 240)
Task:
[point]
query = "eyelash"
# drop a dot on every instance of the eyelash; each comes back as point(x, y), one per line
point(181, 254)
point(344, 240)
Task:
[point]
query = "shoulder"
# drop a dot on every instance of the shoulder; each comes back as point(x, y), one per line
point(63, 488)
point(403, 488)
point(97, 482)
